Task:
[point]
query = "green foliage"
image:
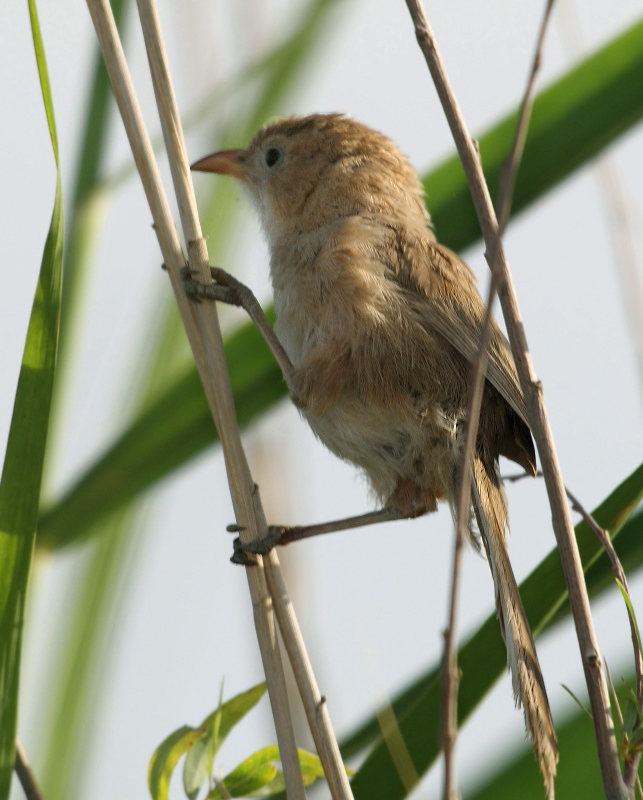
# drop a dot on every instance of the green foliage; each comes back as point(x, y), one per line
point(22, 470)
point(259, 776)
point(572, 121)
point(166, 756)
point(483, 658)
point(200, 759)
point(256, 776)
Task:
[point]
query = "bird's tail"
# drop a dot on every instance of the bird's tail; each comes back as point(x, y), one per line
point(529, 689)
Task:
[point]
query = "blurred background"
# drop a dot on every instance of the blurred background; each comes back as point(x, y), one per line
point(152, 584)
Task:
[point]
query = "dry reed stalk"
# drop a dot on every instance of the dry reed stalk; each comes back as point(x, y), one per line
point(202, 327)
point(25, 775)
point(613, 785)
point(450, 679)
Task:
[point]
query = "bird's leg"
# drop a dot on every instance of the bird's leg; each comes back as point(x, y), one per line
point(279, 535)
point(227, 289)
point(413, 504)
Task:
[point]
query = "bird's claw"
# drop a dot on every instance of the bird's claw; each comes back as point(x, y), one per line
point(193, 289)
point(225, 289)
point(231, 290)
point(243, 551)
point(235, 527)
point(241, 557)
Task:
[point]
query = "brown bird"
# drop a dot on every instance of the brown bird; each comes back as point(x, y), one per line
point(381, 324)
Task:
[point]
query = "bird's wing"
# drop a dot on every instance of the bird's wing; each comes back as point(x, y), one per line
point(456, 310)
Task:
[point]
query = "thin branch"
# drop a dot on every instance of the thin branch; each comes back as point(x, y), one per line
point(25, 775)
point(631, 767)
point(532, 390)
point(463, 492)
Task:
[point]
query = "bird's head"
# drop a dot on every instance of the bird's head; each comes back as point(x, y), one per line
point(306, 172)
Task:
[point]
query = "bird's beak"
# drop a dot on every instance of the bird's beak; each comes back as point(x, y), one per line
point(225, 162)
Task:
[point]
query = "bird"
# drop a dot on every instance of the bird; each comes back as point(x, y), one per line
point(381, 324)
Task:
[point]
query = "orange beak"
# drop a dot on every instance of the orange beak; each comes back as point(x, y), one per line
point(225, 162)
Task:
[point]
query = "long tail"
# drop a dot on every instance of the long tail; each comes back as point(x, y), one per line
point(529, 689)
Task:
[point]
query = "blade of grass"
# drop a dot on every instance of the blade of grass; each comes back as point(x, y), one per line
point(578, 775)
point(482, 658)
point(83, 216)
point(22, 470)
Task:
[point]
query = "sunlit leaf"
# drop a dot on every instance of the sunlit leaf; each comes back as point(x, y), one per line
point(166, 756)
point(198, 762)
point(23, 465)
point(259, 776)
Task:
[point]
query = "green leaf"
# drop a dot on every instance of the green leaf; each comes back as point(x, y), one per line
point(22, 470)
point(198, 762)
point(165, 757)
point(630, 715)
point(578, 773)
point(258, 775)
point(483, 658)
point(569, 126)
point(251, 775)
point(577, 701)
point(311, 767)
point(571, 122)
point(630, 610)
point(84, 212)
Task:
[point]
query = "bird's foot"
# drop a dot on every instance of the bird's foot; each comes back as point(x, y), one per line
point(243, 551)
point(225, 289)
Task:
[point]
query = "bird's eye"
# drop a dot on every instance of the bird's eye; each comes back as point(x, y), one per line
point(272, 156)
